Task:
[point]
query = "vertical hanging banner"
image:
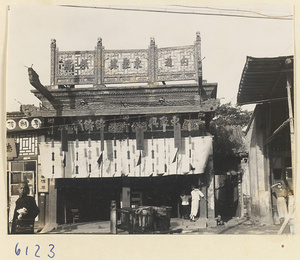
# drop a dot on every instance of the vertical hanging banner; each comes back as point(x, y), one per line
point(102, 138)
point(64, 140)
point(43, 184)
point(139, 138)
point(64, 161)
point(177, 135)
point(11, 148)
point(141, 163)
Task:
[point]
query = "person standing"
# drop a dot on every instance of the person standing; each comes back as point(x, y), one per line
point(196, 196)
point(185, 204)
point(25, 211)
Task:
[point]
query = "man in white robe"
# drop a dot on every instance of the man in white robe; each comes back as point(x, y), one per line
point(196, 196)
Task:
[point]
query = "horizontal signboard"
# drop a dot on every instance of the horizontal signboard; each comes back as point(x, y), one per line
point(23, 124)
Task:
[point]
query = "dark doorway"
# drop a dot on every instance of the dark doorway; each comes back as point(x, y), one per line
point(227, 196)
point(89, 198)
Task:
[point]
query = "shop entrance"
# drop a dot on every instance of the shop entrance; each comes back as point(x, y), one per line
point(85, 200)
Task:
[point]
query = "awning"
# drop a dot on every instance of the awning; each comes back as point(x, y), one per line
point(264, 79)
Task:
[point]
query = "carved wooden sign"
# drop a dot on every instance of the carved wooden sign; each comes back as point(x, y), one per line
point(75, 67)
point(100, 66)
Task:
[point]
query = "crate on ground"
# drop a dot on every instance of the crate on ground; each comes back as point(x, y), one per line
point(145, 219)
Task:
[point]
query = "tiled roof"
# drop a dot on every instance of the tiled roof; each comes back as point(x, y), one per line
point(265, 79)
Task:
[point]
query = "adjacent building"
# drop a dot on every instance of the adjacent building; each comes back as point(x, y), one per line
point(268, 83)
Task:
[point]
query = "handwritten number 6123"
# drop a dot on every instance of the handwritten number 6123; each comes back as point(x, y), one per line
point(50, 255)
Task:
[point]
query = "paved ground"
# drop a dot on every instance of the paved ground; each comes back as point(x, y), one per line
point(178, 226)
point(233, 227)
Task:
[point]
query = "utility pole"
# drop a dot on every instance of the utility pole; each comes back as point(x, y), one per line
point(291, 117)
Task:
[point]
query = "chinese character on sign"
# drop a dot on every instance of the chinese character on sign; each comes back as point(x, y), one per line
point(137, 63)
point(153, 122)
point(89, 125)
point(43, 184)
point(174, 120)
point(126, 64)
point(164, 123)
point(100, 123)
point(9, 148)
point(23, 123)
point(36, 123)
point(69, 66)
point(168, 62)
point(84, 64)
point(184, 61)
point(113, 64)
point(10, 124)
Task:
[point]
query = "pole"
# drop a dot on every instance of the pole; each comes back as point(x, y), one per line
point(291, 117)
point(292, 136)
point(102, 165)
point(65, 212)
point(65, 163)
point(113, 217)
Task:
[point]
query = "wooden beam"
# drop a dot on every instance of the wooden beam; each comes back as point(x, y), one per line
point(35, 82)
point(277, 131)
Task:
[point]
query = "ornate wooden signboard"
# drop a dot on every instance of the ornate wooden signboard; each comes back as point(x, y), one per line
point(100, 66)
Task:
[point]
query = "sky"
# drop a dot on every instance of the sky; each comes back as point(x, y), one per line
point(225, 41)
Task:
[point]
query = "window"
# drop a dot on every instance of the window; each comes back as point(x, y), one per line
point(22, 171)
point(18, 172)
point(17, 177)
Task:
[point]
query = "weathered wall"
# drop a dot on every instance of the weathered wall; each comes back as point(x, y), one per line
point(259, 169)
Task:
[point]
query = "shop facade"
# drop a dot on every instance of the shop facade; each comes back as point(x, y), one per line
point(124, 125)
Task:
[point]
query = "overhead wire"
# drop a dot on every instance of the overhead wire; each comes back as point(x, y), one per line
point(262, 16)
point(235, 10)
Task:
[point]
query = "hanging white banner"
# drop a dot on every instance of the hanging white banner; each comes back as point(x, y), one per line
point(120, 158)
